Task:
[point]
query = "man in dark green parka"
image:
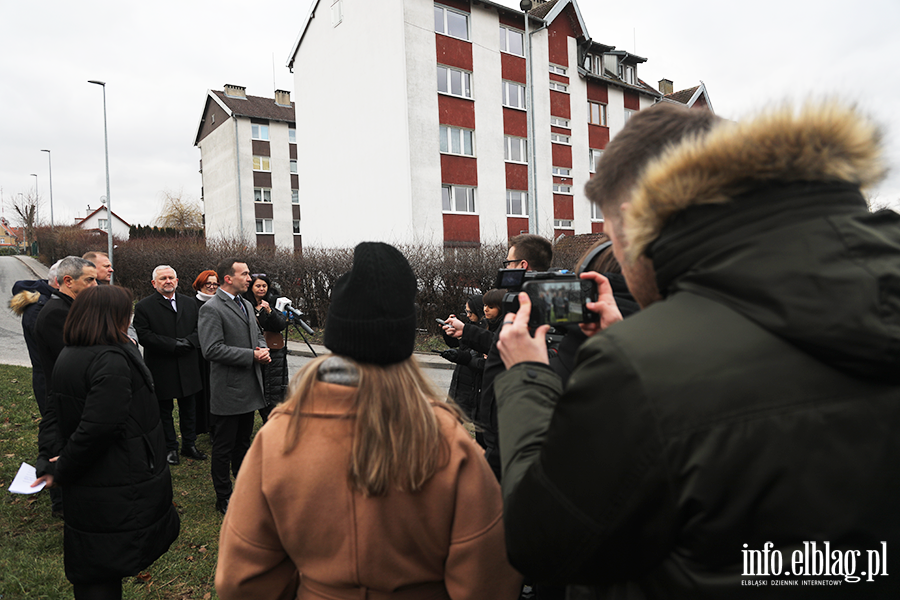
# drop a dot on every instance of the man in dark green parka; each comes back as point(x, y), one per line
point(740, 436)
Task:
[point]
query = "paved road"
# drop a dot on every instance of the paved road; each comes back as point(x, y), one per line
point(12, 345)
point(14, 352)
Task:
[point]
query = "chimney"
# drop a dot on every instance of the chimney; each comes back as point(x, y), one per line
point(235, 91)
point(665, 87)
point(282, 98)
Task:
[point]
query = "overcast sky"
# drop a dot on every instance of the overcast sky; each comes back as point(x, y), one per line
point(159, 58)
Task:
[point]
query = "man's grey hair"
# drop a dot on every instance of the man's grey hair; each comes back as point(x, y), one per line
point(51, 274)
point(73, 266)
point(159, 268)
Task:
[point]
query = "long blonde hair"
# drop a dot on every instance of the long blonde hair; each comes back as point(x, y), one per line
point(397, 442)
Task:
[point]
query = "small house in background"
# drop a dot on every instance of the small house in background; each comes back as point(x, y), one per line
point(97, 220)
point(10, 237)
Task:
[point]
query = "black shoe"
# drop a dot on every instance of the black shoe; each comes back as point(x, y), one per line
point(172, 457)
point(191, 451)
point(222, 505)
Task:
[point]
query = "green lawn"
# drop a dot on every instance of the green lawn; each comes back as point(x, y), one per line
point(31, 541)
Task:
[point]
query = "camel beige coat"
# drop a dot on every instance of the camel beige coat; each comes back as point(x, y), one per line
point(295, 513)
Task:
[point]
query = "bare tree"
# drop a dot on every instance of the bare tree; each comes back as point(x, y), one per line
point(179, 212)
point(25, 209)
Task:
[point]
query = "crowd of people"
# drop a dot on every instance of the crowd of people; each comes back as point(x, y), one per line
point(725, 427)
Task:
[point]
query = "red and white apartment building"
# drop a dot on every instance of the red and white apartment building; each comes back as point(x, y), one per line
point(411, 120)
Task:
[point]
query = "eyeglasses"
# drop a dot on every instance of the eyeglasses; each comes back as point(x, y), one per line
point(209, 284)
point(506, 263)
point(255, 275)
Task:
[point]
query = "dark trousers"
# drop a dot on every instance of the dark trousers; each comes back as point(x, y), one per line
point(230, 442)
point(111, 590)
point(187, 421)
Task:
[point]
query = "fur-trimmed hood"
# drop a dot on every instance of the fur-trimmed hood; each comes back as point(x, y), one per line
point(826, 142)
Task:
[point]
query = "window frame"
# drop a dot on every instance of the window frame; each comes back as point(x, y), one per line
point(103, 224)
point(505, 30)
point(261, 224)
point(561, 224)
point(505, 98)
point(567, 141)
point(559, 86)
point(628, 113)
point(263, 191)
point(465, 82)
point(508, 141)
point(295, 196)
point(602, 113)
point(452, 187)
point(257, 130)
point(592, 153)
point(561, 122)
point(451, 130)
point(562, 188)
point(296, 226)
point(265, 163)
point(292, 135)
point(561, 171)
point(446, 28)
point(293, 164)
point(595, 211)
point(523, 199)
point(558, 69)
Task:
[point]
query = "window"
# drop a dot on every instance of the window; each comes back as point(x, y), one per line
point(295, 196)
point(559, 138)
point(292, 135)
point(516, 203)
point(596, 113)
point(264, 226)
point(626, 74)
point(451, 22)
point(559, 87)
point(515, 149)
point(562, 171)
point(262, 195)
point(457, 141)
point(454, 82)
point(560, 122)
point(457, 198)
point(593, 63)
point(103, 224)
point(261, 163)
point(628, 113)
point(596, 213)
point(513, 94)
point(594, 156)
point(259, 132)
point(293, 165)
point(563, 224)
point(512, 41)
point(559, 188)
point(296, 226)
point(557, 69)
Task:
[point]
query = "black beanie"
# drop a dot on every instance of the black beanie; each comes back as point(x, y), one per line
point(372, 316)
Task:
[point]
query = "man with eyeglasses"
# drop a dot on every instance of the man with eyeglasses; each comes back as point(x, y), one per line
point(531, 253)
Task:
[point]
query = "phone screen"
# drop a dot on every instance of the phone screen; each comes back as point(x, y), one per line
point(555, 302)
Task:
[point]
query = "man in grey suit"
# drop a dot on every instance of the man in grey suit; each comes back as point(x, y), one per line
point(233, 343)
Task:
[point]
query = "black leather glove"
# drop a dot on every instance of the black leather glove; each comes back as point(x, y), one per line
point(456, 356)
point(182, 346)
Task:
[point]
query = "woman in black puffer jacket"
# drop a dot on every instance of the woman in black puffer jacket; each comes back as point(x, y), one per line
point(465, 385)
point(272, 323)
point(103, 431)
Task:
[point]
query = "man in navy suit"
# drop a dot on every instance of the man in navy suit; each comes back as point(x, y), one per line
point(166, 326)
point(233, 343)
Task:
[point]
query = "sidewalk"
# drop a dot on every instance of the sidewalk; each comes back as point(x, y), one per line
point(34, 265)
point(426, 360)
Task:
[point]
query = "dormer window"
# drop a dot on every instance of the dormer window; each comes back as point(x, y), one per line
point(593, 63)
point(626, 74)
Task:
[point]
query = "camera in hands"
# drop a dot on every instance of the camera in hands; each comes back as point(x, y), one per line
point(557, 298)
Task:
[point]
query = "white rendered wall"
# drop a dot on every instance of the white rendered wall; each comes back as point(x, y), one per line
point(220, 183)
point(352, 126)
point(119, 229)
point(580, 142)
point(423, 123)
point(543, 158)
point(280, 163)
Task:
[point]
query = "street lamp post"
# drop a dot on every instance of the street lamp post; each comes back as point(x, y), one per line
point(34, 223)
point(108, 197)
point(50, 167)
